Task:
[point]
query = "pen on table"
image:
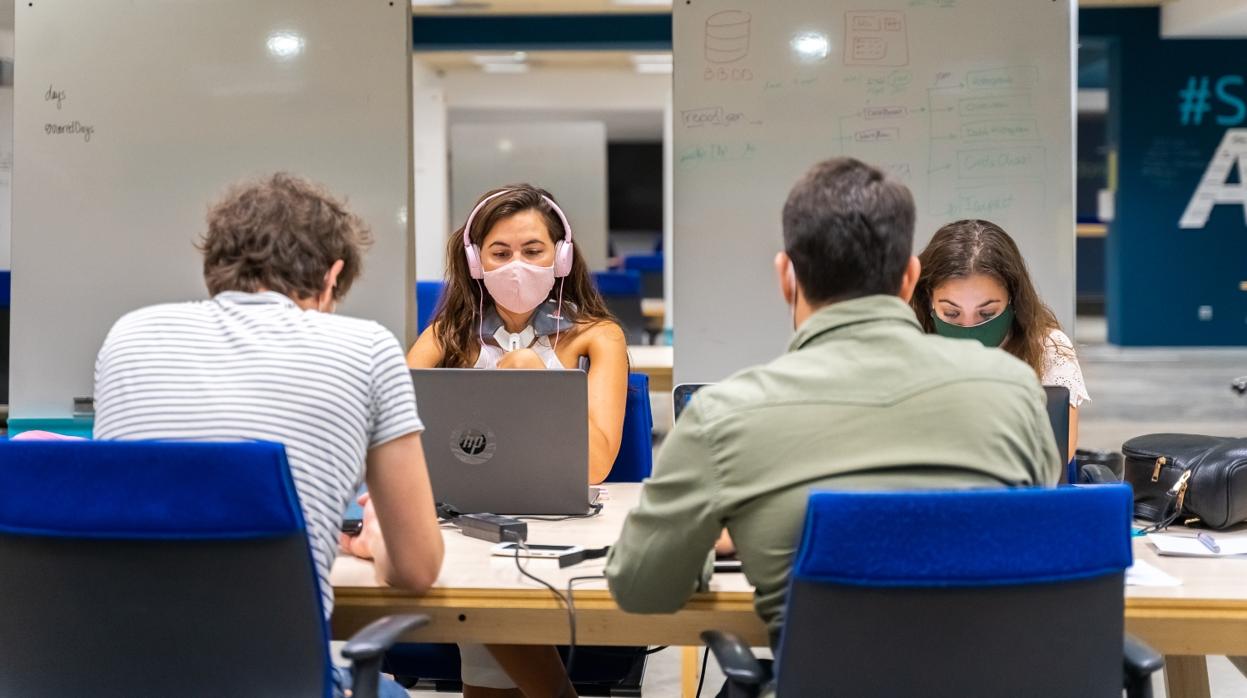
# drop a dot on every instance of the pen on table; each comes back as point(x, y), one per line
point(1208, 542)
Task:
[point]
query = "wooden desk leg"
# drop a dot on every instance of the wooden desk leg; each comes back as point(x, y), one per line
point(688, 672)
point(1186, 676)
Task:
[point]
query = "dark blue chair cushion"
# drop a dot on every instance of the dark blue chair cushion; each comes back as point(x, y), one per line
point(147, 490)
point(969, 538)
point(428, 294)
point(618, 283)
point(643, 262)
point(635, 461)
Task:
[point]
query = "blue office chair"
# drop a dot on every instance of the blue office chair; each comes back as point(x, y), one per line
point(161, 569)
point(428, 295)
point(622, 292)
point(962, 593)
point(650, 267)
point(635, 461)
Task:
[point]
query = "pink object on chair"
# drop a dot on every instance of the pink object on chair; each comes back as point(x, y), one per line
point(40, 435)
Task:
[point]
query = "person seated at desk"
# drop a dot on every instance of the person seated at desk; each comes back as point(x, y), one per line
point(266, 359)
point(974, 285)
point(519, 296)
point(862, 400)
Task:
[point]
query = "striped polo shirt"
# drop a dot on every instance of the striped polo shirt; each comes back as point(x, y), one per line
point(256, 366)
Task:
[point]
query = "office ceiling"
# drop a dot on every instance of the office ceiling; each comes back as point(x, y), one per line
point(562, 60)
point(536, 7)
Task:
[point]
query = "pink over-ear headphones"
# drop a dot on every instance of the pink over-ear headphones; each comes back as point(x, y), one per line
point(563, 249)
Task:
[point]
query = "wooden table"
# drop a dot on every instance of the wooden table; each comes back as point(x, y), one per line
point(479, 598)
point(1207, 615)
point(654, 361)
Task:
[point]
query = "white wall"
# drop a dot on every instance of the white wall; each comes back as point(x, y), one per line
point(431, 164)
point(668, 212)
point(631, 106)
point(1188, 19)
point(606, 90)
point(6, 141)
point(568, 159)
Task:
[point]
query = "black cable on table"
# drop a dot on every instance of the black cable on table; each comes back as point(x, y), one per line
point(705, 658)
point(597, 509)
point(571, 604)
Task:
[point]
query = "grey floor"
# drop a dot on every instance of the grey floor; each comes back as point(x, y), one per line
point(1133, 391)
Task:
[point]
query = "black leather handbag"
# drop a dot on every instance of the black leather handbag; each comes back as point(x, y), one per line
point(1182, 477)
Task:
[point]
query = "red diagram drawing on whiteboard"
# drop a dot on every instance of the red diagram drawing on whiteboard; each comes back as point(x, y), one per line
point(876, 38)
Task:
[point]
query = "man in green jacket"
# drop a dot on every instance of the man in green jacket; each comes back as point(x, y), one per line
point(862, 400)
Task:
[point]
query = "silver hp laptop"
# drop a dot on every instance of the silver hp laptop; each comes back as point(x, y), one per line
point(506, 442)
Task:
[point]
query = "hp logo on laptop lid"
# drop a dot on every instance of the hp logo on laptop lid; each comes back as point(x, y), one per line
point(473, 444)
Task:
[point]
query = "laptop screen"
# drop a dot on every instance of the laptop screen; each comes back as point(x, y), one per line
point(683, 393)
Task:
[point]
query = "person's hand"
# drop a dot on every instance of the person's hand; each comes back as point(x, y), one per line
point(369, 537)
point(522, 358)
point(724, 547)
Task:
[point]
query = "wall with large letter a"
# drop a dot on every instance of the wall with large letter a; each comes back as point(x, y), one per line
point(1177, 250)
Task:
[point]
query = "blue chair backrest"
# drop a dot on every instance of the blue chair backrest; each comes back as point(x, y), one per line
point(651, 269)
point(428, 295)
point(156, 568)
point(967, 593)
point(618, 283)
point(643, 262)
point(622, 292)
point(635, 461)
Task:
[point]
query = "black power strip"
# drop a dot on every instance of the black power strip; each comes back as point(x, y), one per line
point(492, 527)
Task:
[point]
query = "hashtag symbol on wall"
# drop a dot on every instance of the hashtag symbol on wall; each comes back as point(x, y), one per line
point(1193, 101)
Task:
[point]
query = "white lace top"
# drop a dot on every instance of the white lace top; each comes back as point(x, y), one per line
point(1060, 367)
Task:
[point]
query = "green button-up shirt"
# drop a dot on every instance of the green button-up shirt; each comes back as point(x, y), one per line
point(862, 400)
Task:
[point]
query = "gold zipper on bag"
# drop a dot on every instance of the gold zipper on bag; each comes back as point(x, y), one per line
point(1156, 471)
point(1179, 488)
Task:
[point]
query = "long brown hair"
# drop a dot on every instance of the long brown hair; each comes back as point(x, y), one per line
point(455, 322)
point(968, 247)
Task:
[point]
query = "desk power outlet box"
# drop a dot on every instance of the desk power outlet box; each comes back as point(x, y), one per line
point(492, 527)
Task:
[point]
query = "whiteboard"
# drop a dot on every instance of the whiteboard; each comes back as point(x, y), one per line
point(968, 102)
point(131, 118)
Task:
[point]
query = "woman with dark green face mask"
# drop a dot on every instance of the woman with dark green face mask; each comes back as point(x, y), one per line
point(975, 286)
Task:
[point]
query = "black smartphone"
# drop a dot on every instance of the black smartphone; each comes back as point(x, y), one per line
point(353, 519)
point(727, 566)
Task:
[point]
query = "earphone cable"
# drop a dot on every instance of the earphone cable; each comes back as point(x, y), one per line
point(480, 315)
point(558, 320)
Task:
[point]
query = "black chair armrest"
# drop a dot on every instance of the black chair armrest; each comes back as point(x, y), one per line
point(367, 648)
point(1096, 474)
point(743, 671)
point(1140, 663)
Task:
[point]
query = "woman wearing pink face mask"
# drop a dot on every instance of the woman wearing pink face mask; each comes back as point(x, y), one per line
point(519, 296)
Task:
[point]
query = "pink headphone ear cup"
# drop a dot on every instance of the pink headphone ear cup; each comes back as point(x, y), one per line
point(564, 254)
point(473, 255)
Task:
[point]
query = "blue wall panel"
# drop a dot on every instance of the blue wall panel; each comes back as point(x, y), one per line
point(1167, 285)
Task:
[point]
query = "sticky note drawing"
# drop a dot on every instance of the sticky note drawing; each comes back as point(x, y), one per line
point(876, 38)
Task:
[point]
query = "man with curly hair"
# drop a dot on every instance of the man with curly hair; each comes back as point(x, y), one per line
point(266, 359)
